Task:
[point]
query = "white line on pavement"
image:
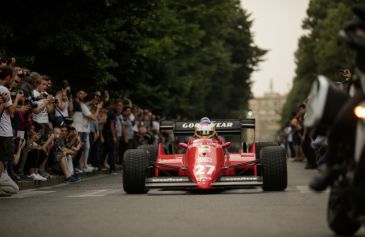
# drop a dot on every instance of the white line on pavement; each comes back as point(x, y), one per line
point(306, 189)
point(95, 193)
point(28, 193)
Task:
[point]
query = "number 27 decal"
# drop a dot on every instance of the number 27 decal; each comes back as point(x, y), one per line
point(204, 169)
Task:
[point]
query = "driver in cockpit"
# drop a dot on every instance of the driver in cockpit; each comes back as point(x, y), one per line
point(206, 129)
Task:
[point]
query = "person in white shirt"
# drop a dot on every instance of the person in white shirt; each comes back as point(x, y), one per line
point(7, 109)
point(81, 116)
point(64, 104)
point(44, 106)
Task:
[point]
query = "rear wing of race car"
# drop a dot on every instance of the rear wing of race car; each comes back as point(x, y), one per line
point(226, 126)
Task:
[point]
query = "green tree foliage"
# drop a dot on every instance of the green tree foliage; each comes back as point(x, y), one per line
point(187, 57)
point(319, 52)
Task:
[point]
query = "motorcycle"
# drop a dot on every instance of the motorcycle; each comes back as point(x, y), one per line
point(341, 117)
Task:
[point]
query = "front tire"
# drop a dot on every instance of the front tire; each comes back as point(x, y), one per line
point(134, 171)
point(274, 168)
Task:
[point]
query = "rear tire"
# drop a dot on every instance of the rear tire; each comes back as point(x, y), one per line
point(134, 171)
point(152, 151)
point(274, 168)
point(337, 213)
point(260, 145)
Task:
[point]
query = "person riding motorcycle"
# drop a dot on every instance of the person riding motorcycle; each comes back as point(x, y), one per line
point(342, 132)
point(344, 125)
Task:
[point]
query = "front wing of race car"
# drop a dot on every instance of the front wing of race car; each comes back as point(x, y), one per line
point(185, 182)
point(239, 170)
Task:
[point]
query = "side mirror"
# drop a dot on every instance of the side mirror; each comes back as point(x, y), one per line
point(226, 144)
point(183, 145)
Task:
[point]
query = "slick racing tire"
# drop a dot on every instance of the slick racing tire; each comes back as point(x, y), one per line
point(260, 145)
point(152, 151)
point(274, 168)
point(134, 171)
point(338, 218)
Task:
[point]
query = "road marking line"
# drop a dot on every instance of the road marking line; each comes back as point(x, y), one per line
point(27, 193)
point(306, 189)
point(112, 191)
point(96, 193)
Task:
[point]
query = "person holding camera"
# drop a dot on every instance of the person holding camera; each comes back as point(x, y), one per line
point(59, 153)
point(30, 83)
point(21, 111)
point(6, 112)
point(63, 105)
point(38, 153)
point(44, 106)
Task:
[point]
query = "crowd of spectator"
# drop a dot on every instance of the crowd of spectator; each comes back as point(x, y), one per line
point(48, 129)
point(301, 144)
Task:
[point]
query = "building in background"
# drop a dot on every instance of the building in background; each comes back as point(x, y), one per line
point(267, 112)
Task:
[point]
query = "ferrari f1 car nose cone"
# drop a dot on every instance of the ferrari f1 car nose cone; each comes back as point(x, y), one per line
point(204, 185)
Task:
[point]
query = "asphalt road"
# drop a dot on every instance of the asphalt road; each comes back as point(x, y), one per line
point(98, 207)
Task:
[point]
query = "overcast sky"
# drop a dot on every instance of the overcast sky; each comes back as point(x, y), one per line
point(276, 27)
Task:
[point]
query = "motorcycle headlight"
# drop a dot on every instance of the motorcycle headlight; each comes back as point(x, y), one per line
point(360, 111)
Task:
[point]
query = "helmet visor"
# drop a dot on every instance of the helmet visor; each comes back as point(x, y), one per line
point(205, 133)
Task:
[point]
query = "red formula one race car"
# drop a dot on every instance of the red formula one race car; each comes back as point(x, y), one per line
point(206, 163)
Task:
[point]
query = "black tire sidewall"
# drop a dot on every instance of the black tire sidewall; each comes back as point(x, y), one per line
point(274, 168)
point(134, 171)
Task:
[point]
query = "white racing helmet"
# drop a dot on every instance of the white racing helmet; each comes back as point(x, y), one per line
point(323, 103)
point(205, 128)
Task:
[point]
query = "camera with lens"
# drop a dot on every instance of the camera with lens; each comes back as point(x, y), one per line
point(44, 95)
point(13, 93)
point(3, 97)
point(54, 100)
point(66, 121)
point(23, 73)
point(68, 92)
point(30, 101)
